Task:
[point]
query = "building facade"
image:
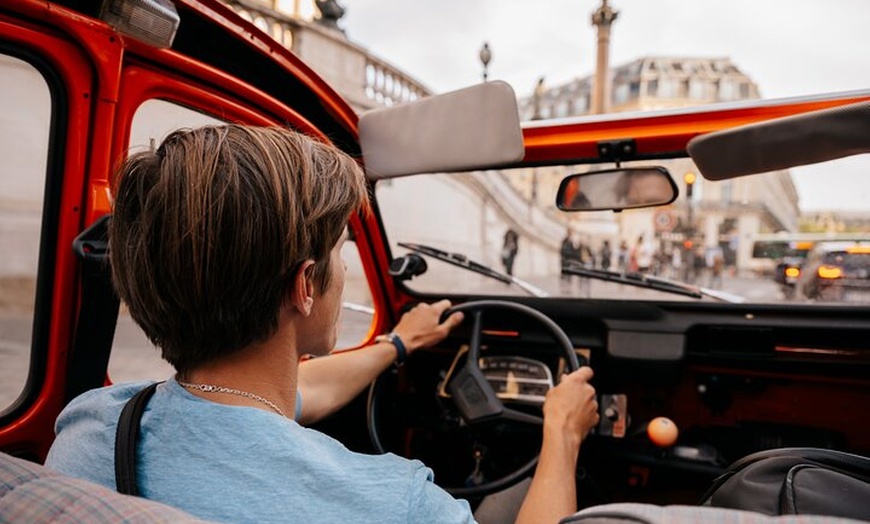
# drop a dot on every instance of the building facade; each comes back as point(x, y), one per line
point(648, 84)
point(723, 214)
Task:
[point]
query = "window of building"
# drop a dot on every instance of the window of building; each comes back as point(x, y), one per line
point(727, 90)
point(697, 89)
point(620, 94)
point(25, 126)
point(668, 88)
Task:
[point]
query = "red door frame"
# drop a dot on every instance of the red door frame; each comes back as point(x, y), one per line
point(28, 426)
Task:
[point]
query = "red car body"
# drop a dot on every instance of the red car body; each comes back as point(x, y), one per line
point(738, 366)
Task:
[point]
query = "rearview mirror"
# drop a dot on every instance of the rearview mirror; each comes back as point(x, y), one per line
point(616, 189)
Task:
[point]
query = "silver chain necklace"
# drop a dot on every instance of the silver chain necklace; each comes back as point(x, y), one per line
point(208, 388)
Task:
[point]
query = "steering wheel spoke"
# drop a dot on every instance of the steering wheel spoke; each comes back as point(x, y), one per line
point(521, 416)
point(469, 388)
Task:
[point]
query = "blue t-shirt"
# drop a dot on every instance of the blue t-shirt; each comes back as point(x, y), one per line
point(241, 464)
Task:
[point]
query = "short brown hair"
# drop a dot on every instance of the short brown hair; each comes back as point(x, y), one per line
point(209, 229)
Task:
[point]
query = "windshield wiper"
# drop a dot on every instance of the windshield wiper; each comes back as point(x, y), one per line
point(652, 282)
point(460, 260)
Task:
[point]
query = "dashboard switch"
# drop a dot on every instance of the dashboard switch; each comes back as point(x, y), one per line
point(614, 415)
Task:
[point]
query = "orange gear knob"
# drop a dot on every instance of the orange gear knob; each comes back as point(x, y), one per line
point(662, 432)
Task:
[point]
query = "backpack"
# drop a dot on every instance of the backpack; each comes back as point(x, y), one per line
point(796, 481)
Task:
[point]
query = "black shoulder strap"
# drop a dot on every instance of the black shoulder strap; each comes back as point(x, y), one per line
point(125, 441)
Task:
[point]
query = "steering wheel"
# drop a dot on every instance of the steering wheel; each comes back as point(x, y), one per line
point(473, 396)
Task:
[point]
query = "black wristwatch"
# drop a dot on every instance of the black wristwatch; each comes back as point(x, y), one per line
point(395, 340)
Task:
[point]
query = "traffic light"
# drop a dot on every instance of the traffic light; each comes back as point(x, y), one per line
point(689, 178)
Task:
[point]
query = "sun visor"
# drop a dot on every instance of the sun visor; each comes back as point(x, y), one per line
point(473, 128)
point(798, 140)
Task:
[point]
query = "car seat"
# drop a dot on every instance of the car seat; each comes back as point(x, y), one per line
point(35, 494)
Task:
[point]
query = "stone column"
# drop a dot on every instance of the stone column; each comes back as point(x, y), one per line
point(602, 19)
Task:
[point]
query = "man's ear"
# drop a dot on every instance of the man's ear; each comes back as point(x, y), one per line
point(302, 293)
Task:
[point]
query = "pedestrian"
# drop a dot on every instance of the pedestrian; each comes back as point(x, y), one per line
point(605, 255)
point(585, 255)
point(643, 255)
point(676, 262)
point(509, 249)
point(622, 256)
point(567, 256)
point(698, 264)
point(716, 265)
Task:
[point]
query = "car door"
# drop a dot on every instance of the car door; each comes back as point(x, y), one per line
point(50, 184)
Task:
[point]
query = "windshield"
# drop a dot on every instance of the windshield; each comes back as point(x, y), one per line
point(728, 236)
point(735, 236)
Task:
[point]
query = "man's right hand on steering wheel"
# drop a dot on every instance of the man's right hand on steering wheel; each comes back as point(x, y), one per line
point(570, 412)
point(571, 408)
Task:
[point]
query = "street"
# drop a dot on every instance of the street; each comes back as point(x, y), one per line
point(758, 290)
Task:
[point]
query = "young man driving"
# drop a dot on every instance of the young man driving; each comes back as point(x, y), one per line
point(225, 245)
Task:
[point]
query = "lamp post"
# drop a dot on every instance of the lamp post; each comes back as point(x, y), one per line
point(689, 179)
point(485, 56)
point(689, 244)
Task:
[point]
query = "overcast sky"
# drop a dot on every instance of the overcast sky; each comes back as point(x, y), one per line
point(788, 47)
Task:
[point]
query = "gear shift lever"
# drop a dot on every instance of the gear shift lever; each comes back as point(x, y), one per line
point(662, 432)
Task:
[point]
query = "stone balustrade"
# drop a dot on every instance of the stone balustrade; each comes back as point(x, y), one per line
point(388, 86)
point(363, 80)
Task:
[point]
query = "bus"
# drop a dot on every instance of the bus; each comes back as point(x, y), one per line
point(770, 248)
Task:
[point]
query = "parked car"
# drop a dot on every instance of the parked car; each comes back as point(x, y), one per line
point(837, 271)
point(733, 367)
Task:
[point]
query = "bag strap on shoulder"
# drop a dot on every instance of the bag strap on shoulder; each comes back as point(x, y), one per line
point(125, 441)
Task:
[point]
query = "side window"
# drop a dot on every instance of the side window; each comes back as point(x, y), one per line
point(357, 309)
point(24, 135)
point(133, 356)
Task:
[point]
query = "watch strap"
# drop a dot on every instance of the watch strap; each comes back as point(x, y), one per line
point(394, 339)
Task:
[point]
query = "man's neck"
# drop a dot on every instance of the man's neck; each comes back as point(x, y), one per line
point(267, 369)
